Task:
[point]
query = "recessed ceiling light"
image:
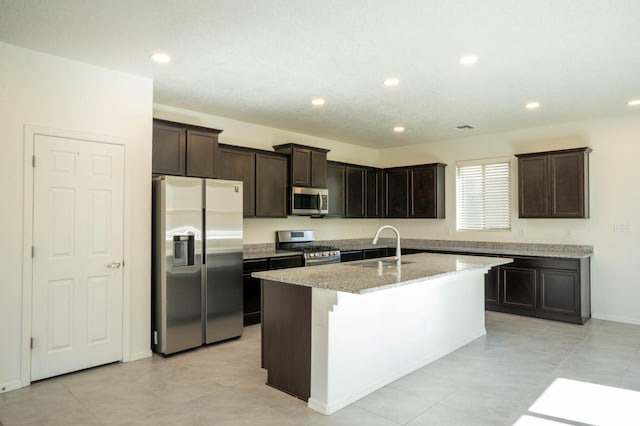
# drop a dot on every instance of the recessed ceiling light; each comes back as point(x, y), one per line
point(317, 101)
point(532, 105)
point(398, 129)
point(634, 102)
point(468, 60)
point(391, 82)
point(162, 58)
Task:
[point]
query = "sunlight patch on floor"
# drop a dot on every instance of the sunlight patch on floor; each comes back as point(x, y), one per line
point(590, 403)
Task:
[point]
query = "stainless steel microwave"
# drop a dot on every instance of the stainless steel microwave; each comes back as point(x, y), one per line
point(309, 201)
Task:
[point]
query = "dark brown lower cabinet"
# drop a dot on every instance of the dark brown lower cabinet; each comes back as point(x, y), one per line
point(543, 287)
point(491, 287)
point(559, 291)
point(251, 289)
point(519, 287)
point(252, 297)
point(286, 337)
point(375, 253)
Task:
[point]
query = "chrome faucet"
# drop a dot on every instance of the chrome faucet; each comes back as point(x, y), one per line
point(375, 240)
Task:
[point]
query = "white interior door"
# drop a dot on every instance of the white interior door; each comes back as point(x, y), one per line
point(78, 250)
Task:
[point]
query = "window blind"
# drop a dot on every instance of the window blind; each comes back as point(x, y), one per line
point(483, 194)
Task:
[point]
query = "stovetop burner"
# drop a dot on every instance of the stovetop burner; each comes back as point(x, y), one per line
point(303, 242)
point(312, 248)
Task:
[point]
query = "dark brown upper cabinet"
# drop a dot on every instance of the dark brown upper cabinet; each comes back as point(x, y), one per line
point(336, 185)
point(239, 164)
point(308, 164)
point(554, 184)
point(426, 191)
point(415, 191)
point(168, 150)
point(396, 189)
point(355, 191)
point(373, 193)
point(184, 150)
point(271, 184)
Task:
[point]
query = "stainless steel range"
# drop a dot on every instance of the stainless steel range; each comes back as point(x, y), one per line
point(304, 241)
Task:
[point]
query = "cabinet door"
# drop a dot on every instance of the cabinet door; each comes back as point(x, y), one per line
point(422, 190)
point(271, 185)
point(519, 288)
point(202, 150)
point(560, 292)
point(355, 191)
point(567, 185)
point(492, 286)
point(373, 193)
point(396, 193)
point(336, 185)
point(235, 164)
point(168, 151)
point(318, 169)
point(426, 192)
point(533, 186)
point(300, 167)
point(251, 299)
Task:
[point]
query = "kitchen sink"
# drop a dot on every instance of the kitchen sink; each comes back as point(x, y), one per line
point(380, 264)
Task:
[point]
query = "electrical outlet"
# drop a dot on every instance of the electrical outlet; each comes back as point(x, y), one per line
point(621, 227)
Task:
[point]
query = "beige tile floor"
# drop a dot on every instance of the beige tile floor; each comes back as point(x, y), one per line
point(494, 380)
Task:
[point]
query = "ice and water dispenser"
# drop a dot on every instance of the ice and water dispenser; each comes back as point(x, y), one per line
point(183, 250)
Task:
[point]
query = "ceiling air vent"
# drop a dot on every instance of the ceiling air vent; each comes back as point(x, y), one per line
point(465, 127)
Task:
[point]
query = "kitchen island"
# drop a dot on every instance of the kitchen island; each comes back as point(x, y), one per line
point(332, 334)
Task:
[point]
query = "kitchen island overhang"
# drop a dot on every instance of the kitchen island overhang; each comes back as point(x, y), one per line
point(332, 334)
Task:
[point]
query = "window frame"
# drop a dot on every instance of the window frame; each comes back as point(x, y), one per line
point(506, 210)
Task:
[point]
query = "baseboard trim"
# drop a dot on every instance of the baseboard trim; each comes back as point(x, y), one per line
point(139, 355)
point(9, 386)
point(616, 318)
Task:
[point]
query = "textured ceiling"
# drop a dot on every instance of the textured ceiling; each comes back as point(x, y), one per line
point(263, 61)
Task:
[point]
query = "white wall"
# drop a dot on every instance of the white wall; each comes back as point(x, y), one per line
point(48, 91)
point(614, 192)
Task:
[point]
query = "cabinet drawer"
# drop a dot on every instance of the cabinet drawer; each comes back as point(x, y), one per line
point(285, 262)
point(375, 253)
point(254, 265)
point(547, 263)
point(351, 255)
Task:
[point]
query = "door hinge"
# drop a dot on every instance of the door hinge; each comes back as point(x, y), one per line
point(33, 161)
point(31, 343)
point(33, 252)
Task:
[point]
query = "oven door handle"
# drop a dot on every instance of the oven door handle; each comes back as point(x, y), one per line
point(319, 198)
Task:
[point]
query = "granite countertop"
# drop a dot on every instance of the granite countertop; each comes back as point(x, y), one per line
point(258, 251)
point(353, 277)
point(255, 251)
point(480, 247)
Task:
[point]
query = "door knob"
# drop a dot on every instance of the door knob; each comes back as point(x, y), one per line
point(113, 265)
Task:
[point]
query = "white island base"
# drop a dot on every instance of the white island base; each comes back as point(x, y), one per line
point(362, 342)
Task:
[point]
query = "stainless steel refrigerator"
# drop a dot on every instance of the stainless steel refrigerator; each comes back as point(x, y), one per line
point(196, 299)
